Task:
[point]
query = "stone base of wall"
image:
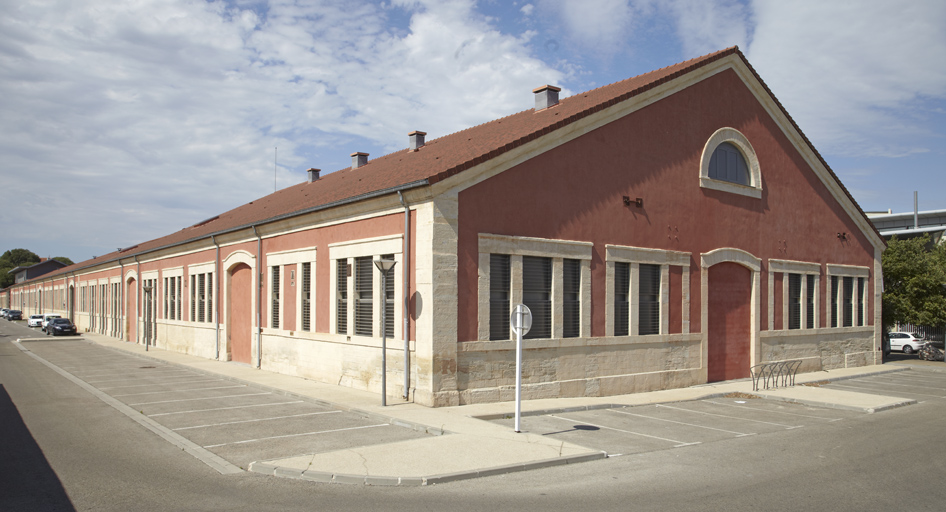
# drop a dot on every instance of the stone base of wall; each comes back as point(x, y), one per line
point(822, 349)
point(576, 367)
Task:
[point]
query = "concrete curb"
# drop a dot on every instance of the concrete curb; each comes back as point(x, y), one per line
point(341, 478)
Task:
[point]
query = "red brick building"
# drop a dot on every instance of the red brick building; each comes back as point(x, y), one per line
point(671, 229)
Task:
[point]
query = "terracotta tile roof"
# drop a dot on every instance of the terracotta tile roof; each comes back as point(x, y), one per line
point(437, 160)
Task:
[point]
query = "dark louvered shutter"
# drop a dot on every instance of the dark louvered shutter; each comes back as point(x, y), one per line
point(794, 301)
point(363, 296)
point(649, 305)
point(499, 297)
point(622, 289)
point(571, 299)
point(537, 294)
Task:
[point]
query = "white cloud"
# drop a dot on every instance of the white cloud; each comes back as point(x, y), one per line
point(705, 26)
point(599, 24)
point(168, 111)
point(854, 74)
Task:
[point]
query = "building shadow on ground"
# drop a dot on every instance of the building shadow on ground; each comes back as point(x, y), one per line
point(27, 482)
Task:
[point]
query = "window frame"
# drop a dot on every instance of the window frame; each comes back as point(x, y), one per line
point(290, 263)
point(517, 247)
point(636, 256)
point(374, 248)
point(803, 269)
point(737, 139)
point(859, 298)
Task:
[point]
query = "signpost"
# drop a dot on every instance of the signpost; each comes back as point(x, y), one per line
point(521, 322)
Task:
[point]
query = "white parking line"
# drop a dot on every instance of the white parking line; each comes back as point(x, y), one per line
point(738, 434)
point(829, 420)
point(153, 384)
point(787, 427)
point(883, 383)
point(224, 408)
point(180, 390)
point(195, 399)
point(864, 388)
point(130, 377)
point(678, 445)
point(255, 420)
point(297, 435)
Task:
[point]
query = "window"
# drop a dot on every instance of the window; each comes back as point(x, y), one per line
point(210, 297)
point(537, 294)
point(848, 313)
point(834, 301)
point(274, 320)
point(728, 164)
point(363, 295)
point(649, 299)
point(794, 301)
point(622, 294)
point(360, 296)
point(341, 294)
point(389, 299)
point(551, 277)
point(810, 301)
point(306, 296)
point(861, 299)
point(571, 299)
point(499, 307)
point(193, 297)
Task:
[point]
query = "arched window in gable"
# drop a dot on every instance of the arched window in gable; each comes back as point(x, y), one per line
point(730, 164)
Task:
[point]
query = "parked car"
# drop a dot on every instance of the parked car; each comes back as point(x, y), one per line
point(3, 312)
point(905, 342)
point(47, 317)
point(14, 314)
point(60, 326)
point(35, 321)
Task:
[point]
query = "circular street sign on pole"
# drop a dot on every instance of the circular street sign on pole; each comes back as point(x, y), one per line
point(521, 322)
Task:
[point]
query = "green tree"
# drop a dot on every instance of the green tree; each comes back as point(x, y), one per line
point(65, 260)
point(12, 259)
point(914, 282)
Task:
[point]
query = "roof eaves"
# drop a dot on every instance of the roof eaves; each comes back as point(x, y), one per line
point(352, 199)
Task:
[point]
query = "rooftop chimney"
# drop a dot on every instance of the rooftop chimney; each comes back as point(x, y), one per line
point(546, 96)
point(313, 174)
point(417, 139)
point(358, 159)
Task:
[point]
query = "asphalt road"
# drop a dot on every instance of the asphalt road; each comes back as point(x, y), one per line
point(63, 449)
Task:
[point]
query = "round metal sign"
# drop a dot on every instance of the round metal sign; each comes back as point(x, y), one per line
point(521, 318)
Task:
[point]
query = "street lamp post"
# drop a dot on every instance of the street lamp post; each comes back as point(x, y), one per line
point(147, 289)
point(384, 266)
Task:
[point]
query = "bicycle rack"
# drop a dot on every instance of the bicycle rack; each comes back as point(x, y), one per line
point(774, 374)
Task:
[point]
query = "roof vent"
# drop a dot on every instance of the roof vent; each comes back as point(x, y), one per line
point(546, 96)
point(417, 139)
point(358, 159)
point(313, 174)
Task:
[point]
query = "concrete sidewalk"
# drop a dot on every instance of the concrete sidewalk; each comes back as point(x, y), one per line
point(462, 444)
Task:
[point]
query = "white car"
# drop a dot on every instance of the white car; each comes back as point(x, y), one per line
point(905, 342)
point(47, 317)
point(35, 321)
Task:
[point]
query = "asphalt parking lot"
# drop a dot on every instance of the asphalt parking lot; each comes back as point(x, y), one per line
point(629, 430)
point(921, 383)
point(239, 422)
point(646, 428)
